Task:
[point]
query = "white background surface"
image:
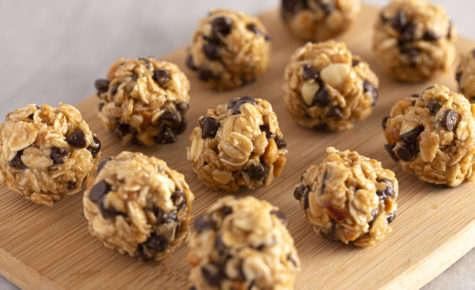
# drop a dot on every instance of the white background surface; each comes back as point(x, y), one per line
point(53, 50)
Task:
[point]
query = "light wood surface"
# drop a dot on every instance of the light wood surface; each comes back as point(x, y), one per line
point(50, 248)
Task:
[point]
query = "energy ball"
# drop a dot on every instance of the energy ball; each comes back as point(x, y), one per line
point(46, 153)
point(465, 75)
point(238, 144)
point(432, 135)
point(138, 206)
point(317, 20)
point(144, 101)
point(242, 244)
point(414, 40)
point(229, 49)
point(327, 88)
point(349, 197)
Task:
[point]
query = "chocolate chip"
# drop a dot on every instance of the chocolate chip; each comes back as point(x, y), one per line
point(385, 121)
point(280, 215)
point(164, 217)
point(31, 116)
point(95, 147)
point(321, 127)
point(407, 33)
point(99, 190)
point(109, 213)
point(71, 185)
point(410, 137)
point(355, 62)
point(412, 53)
point(369, 88)
point(190, 63)
point(309, 72)
point(331, 232)
point(77, 139)
point(165, 137)
point(458, 76)
point(389, 149)
point(429, 88)
point(227, 210)
point(211, 51)
point(101, 105)
point(161, 76)
point(253, 28)
point(170, 118)
point(388, 192)
point(235, 104)
point(326, 7)
point(221, 26)
point(264, 128)
point(415, 96)
point(449, 32)
point(374, 215)
point(293, 5)
point(103, 163)
point(202, 223)
point(205, 74)
point(334, 112)
point(399, 21)
point(212, 275)
point(179, 200)
point(390, 217)
point(182, 107)
point(257, 171)
point(280, 142)
point(156, 242)
point(209, 127)
point(16, 162)
point(405, 152)
point(102, 86)
point(429, 35)
point(114, 89)
point(58, 154)
point(299, 191)
point(433, 107)
point(324, 183)
point(449, 120)
point(180, 127)
point(322, 97)
point(193, 287)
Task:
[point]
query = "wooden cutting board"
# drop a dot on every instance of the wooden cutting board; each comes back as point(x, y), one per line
point(48, 248)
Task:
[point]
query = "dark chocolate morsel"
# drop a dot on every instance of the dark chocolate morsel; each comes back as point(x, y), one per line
point(257, 171)
point(433, 107)
point(103, 163)
point(264, 128)
point(221, 26)
point(95, 147)
point(384, 122)
point(209, 127)
point(399, 21)
point(280, 215)
point(253, 28)
point(410, 137)
point(206, 74)
point(450, 120)
point(212, 275)
point(203, 223)
point(369, 88)
point(161, 76)
point(308, 72)
point(211, 50)
point(16, 162)
point(165, 137)
point(179, 200)
point(77, 139)
point(227, 210)
point(390, 150)
point(429, 35)
point(182, 107)
point(122, 129)
point(334, 112)
point(280, 142)
point(58, 154)
point(190, 63)
point(235, 104)
point(388, 192)
point(114, 89)
point(322, 97)
point(98, 191)
point(405, 152)
point(102, 85)
point(458, 76)
point(71, 185)
point(390, 217)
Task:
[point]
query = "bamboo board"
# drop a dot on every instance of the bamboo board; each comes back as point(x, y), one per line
point(50, 248)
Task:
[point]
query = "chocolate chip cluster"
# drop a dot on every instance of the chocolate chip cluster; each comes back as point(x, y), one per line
point(242, 243)
point(229, 49)
point(432, 135)
point(317, 20)
point(238, 144)
point(349, 197)
point(414, 40)
point(465, 75)
point(46, 153)
point(144, 101)
point(138, 206)
point(327, 87)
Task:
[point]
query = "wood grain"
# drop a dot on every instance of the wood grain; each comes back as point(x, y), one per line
point(50, 248)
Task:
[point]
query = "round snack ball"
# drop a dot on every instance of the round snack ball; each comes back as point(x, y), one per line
point(144, 101)
point(242, 244)
point(46, 153)
point(229, 49)
point(138, 206)
point(349, 197)
point(326, 87)
point(465, 75)
point(318, 20)
point(432, 135)
point(238, 144)
point(414, 40)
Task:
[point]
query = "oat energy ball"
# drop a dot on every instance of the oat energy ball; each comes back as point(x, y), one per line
point(138, 206)
point(46, 153)
point(326, 87)
point(432, 135)
point(238, 144)
point(229, 49)
point(349, 197)
point(414, 40)
point(144, 101)
point(242, 244)
point(465, 75)
point(318, 20)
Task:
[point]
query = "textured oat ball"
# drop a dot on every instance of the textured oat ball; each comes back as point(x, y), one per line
point(242, 244)
point(414, 40)
point(144, 101)
point(349, 197)
point(318, 20)
point(432, 135)
point(46, 153)
point(238, 144)
point(465, 75)
point(138, 206)
point(229, 49)
point(326, 87)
